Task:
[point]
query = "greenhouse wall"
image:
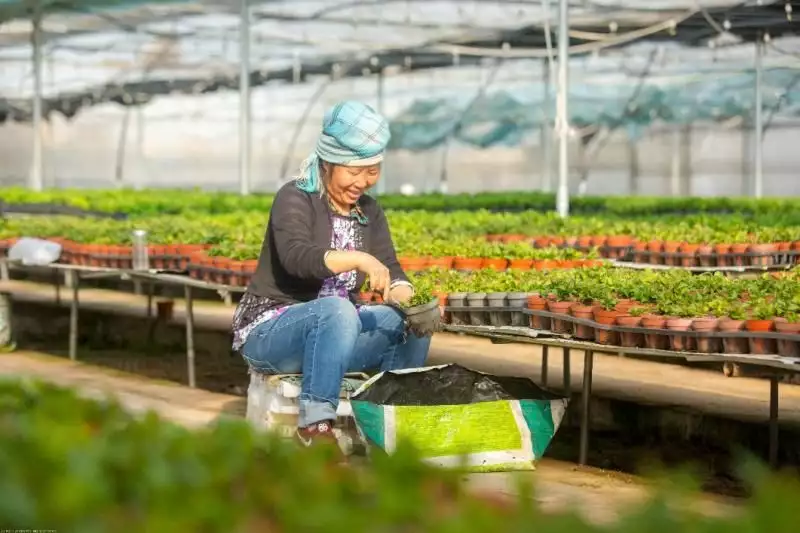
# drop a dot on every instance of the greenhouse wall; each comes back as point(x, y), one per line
point(194, 152)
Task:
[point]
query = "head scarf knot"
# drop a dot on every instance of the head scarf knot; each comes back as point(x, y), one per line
point(353, 134)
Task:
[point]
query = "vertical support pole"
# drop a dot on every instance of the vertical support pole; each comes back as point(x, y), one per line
point(633, 162)
point(773, 420)
point(381, 185)
point(545, 364)
point(547, 131)
point(244, 99)
point(586, 401)
point(758, 178)
point(675, 163)
point(189, 302)
point(562, 196)
point(567, 372)
point(73, 315)
point(36, 178)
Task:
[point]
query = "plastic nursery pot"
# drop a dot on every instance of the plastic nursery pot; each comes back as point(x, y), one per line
point(494, 263)
point(542, 242)
point(581, 331)
point(537, 303)
point(517, 300)
point(623, 306)
point(761, 346)
point(515, 237)
point(705, 255)
point(706, 325)
point(445, 263)
point(467, 263)
point(656, 249)
point(655, 341)
point(477, 318)
point(671, 249)
point(640, 254)
point(630, 339)
point(680, 343)
point(764, 254)
point(617, 246)
point(584, 242)
point(788, 348)
point(738, 252)
point(413, 264)
point(545, 264)
point(606, 318)
point(458, 299)
point(689, 254)
point(722, 253)
point(561, 308)
point(733, 345)
point(520, 264)
point(498, 318)
point(424, 320)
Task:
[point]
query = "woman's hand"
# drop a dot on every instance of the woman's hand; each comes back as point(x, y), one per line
point(378, 274)
point(401, 294)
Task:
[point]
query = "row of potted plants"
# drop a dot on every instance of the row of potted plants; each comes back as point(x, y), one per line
point(670, 310)
point(163, 201)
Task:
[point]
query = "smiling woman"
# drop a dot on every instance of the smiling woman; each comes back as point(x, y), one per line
point(324, 238)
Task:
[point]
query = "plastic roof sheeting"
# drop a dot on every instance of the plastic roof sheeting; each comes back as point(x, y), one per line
point(130, 52)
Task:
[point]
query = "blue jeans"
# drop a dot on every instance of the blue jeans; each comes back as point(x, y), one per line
point(325, 338)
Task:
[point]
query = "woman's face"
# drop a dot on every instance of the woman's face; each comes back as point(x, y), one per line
point(346, 184)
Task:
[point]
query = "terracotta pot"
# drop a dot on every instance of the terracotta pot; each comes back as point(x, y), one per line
point(689, 251)
point(413, 264)
point(655, 341)
point(784, 246)
point(492, 263)
point(520, 264)
point(599, 240)
point(583, 312)
point(467, 263)
point(671, 249)
point(738, 251)
point(629, 339)
point(592, 263)
point(566, 264)
point(722, 252)
point(656, 249)
point(607, 318)
point(761, 346)
point(445, 263)
point(707, 325)
point(705, 255)
point(249, 269)
point(733, 345)
point(788, 348)
point(157, 253)
point(542, 242)
point(221, 270)
point(623, 306)
point(617, 246)
point(172, 259)
point(571, 242)
point(545, 264)
point(237, 273)
point(537, 303)
point(494, 237)
point(766, 254)
point(557, 241)
point(560, 326)
point(584, 241)
point(515, 237)
point(680, 343)
point(640, 254)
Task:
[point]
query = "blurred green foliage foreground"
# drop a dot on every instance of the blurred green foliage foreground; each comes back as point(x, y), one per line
point(75, 465)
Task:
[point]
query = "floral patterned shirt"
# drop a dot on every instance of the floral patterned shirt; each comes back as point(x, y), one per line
point(254, 310)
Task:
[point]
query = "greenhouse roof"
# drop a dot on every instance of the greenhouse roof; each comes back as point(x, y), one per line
point(128, 52)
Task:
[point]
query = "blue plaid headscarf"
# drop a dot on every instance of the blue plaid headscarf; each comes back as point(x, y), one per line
point(353, 134)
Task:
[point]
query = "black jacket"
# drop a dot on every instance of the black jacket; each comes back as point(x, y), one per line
point(291, 266)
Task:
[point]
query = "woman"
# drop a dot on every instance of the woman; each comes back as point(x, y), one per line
point(324, 239)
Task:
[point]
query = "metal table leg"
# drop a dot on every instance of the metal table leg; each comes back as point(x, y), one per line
point(545, 361)
point(57, 285)
point(73, 315)
point(586, 397)
point(150, 289)
point(188, 296)
point(567, 373)
point(773, 421)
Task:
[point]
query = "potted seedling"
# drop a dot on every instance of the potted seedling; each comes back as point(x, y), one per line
point(423, 317)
